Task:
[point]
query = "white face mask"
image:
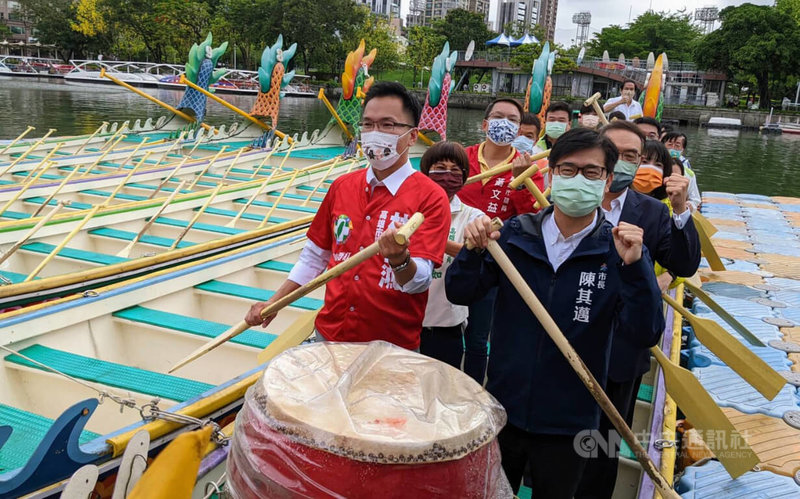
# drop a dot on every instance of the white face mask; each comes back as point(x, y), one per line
point(380, 149)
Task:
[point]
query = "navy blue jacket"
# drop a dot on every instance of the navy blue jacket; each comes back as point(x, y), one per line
point(527, 373)
point(674, 249)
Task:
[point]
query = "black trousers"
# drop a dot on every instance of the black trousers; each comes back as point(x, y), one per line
point(600, 475)
point(443, 343)
point(555, 467)
point(476, 336)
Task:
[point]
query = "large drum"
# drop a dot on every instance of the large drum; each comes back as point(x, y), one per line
point(366, 420)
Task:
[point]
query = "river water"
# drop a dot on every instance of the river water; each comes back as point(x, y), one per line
point(724, 160)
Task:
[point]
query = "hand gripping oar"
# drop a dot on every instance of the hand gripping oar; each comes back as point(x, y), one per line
point(705, 415)
point(402, 236)
point(732, 352)
point(554, 332)
point(505, 167)
point(713, 305)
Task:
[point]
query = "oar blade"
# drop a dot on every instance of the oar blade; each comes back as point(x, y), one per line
point(292, 336)
point(219, 340)
point(708, 250)
point(126, 251)
point(704, 414)
point(708, 227)
point(713, 305)
point(738, 357)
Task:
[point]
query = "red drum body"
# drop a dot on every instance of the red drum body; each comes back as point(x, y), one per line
point(365, 421)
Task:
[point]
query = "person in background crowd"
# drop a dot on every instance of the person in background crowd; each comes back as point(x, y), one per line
point(529, 130)
point(616, 115)
point(589, 118)
point(656, 166)
point(650, 127)
point(666, 128)
point(677, 143)
point(589, 277)
point(494, 197)
point(447, 164)
point(626, 103)
point(557, 122)
point(674, 244)
point(385, 297)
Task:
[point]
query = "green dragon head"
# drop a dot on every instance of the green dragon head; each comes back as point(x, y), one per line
point(199, 53)
point(271, 56)
point(442, 64)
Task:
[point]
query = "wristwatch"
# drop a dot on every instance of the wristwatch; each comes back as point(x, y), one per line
point(402, 266)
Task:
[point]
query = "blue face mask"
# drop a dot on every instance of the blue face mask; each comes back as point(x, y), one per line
point(577, 196)
point(624, 173)
point(523, 144)
point(502, 131)
point(675, 153)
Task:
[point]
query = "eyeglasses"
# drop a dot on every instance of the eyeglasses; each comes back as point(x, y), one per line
point(383, 126)
point(591, 172)
point(512, 119)
point(630, 156)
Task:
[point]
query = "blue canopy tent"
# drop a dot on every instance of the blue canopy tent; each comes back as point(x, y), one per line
point(526, 39)
point(501, 39)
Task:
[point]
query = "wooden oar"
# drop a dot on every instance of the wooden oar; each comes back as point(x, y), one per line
point(19, 137)
point(120, 130)
point(208, 166)
point(126, 251)
point(263, 162)
point(169, 177)
point(321, 96)
point(699, 219)
point(27, 152)
point(233, 163)
point(708, 250)
point(541, 200)
point(506, 167)
point(402, 236)
point(292, 336)
point(127, 177)
point(44, 161)
point(133, 153)
point(63, 243)
point(55, 192)
point(103, 156)
point(322, 180)
point(196, 216)
point(250, 201)
point(33, 230)
point(536, 205)
point(732, 352)
point(21, 191)
point(717, 308)
point(277, 201)
point(233, 108)
point(571, 356)
point(531, 170)
point(88, 140)
point(135, 90)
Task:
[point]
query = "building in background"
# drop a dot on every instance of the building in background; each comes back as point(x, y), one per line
point(424, 12)
point(521, 12)
point(388, 8)
point(547, 17)
point(11, 17)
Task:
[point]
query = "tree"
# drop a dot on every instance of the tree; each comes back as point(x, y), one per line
point(460, 26)
point(54, 19)
point(752, 40)
point(424, 44)
point(377, 34)
point(524, 55)
point(790, 8)
point(651, 32)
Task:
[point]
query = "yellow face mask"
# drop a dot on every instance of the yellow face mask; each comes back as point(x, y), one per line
point(648, 178)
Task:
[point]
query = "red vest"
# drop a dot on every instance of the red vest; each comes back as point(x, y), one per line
point(363, 304)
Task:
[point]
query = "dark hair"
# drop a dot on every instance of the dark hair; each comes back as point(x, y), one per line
point(617, 116)
point(587, 109)
point(676, 135)
point(647, 120)
point(656, 150)
point(509, 100)
point(626, 126)
point(445, 151)
point(679, 164)
point(580, 139)
point(394, 89)
point(558, 106)
point(629, 81)
point(666, 128)
point(531, 119)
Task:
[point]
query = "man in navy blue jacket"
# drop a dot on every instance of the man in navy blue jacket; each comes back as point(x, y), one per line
point(590, 276)
point(673, 243)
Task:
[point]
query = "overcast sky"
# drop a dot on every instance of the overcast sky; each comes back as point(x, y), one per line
point(607, 12)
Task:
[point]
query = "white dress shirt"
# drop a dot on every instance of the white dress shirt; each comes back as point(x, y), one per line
point(558, 247)
point(618, 204)
point(313, 260)
point(629, 110)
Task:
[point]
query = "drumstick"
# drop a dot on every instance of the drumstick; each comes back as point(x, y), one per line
point(575, 362)
point(401, 237)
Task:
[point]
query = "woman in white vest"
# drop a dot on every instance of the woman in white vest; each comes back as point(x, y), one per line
point(447, 164)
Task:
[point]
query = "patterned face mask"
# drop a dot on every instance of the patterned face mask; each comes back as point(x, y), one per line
point(380, 149)
point(501, 131)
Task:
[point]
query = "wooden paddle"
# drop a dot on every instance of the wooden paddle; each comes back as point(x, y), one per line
point(713, 305)
point(705, 415)
point(196, 217)
point(19, 137)
point(732, 352)
point(583, 372)
point(126, 251)
point(292, 336)
point(505, 167)
point(699, 219)
point(402, 236)
point(707, 247)
point(34, 230)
